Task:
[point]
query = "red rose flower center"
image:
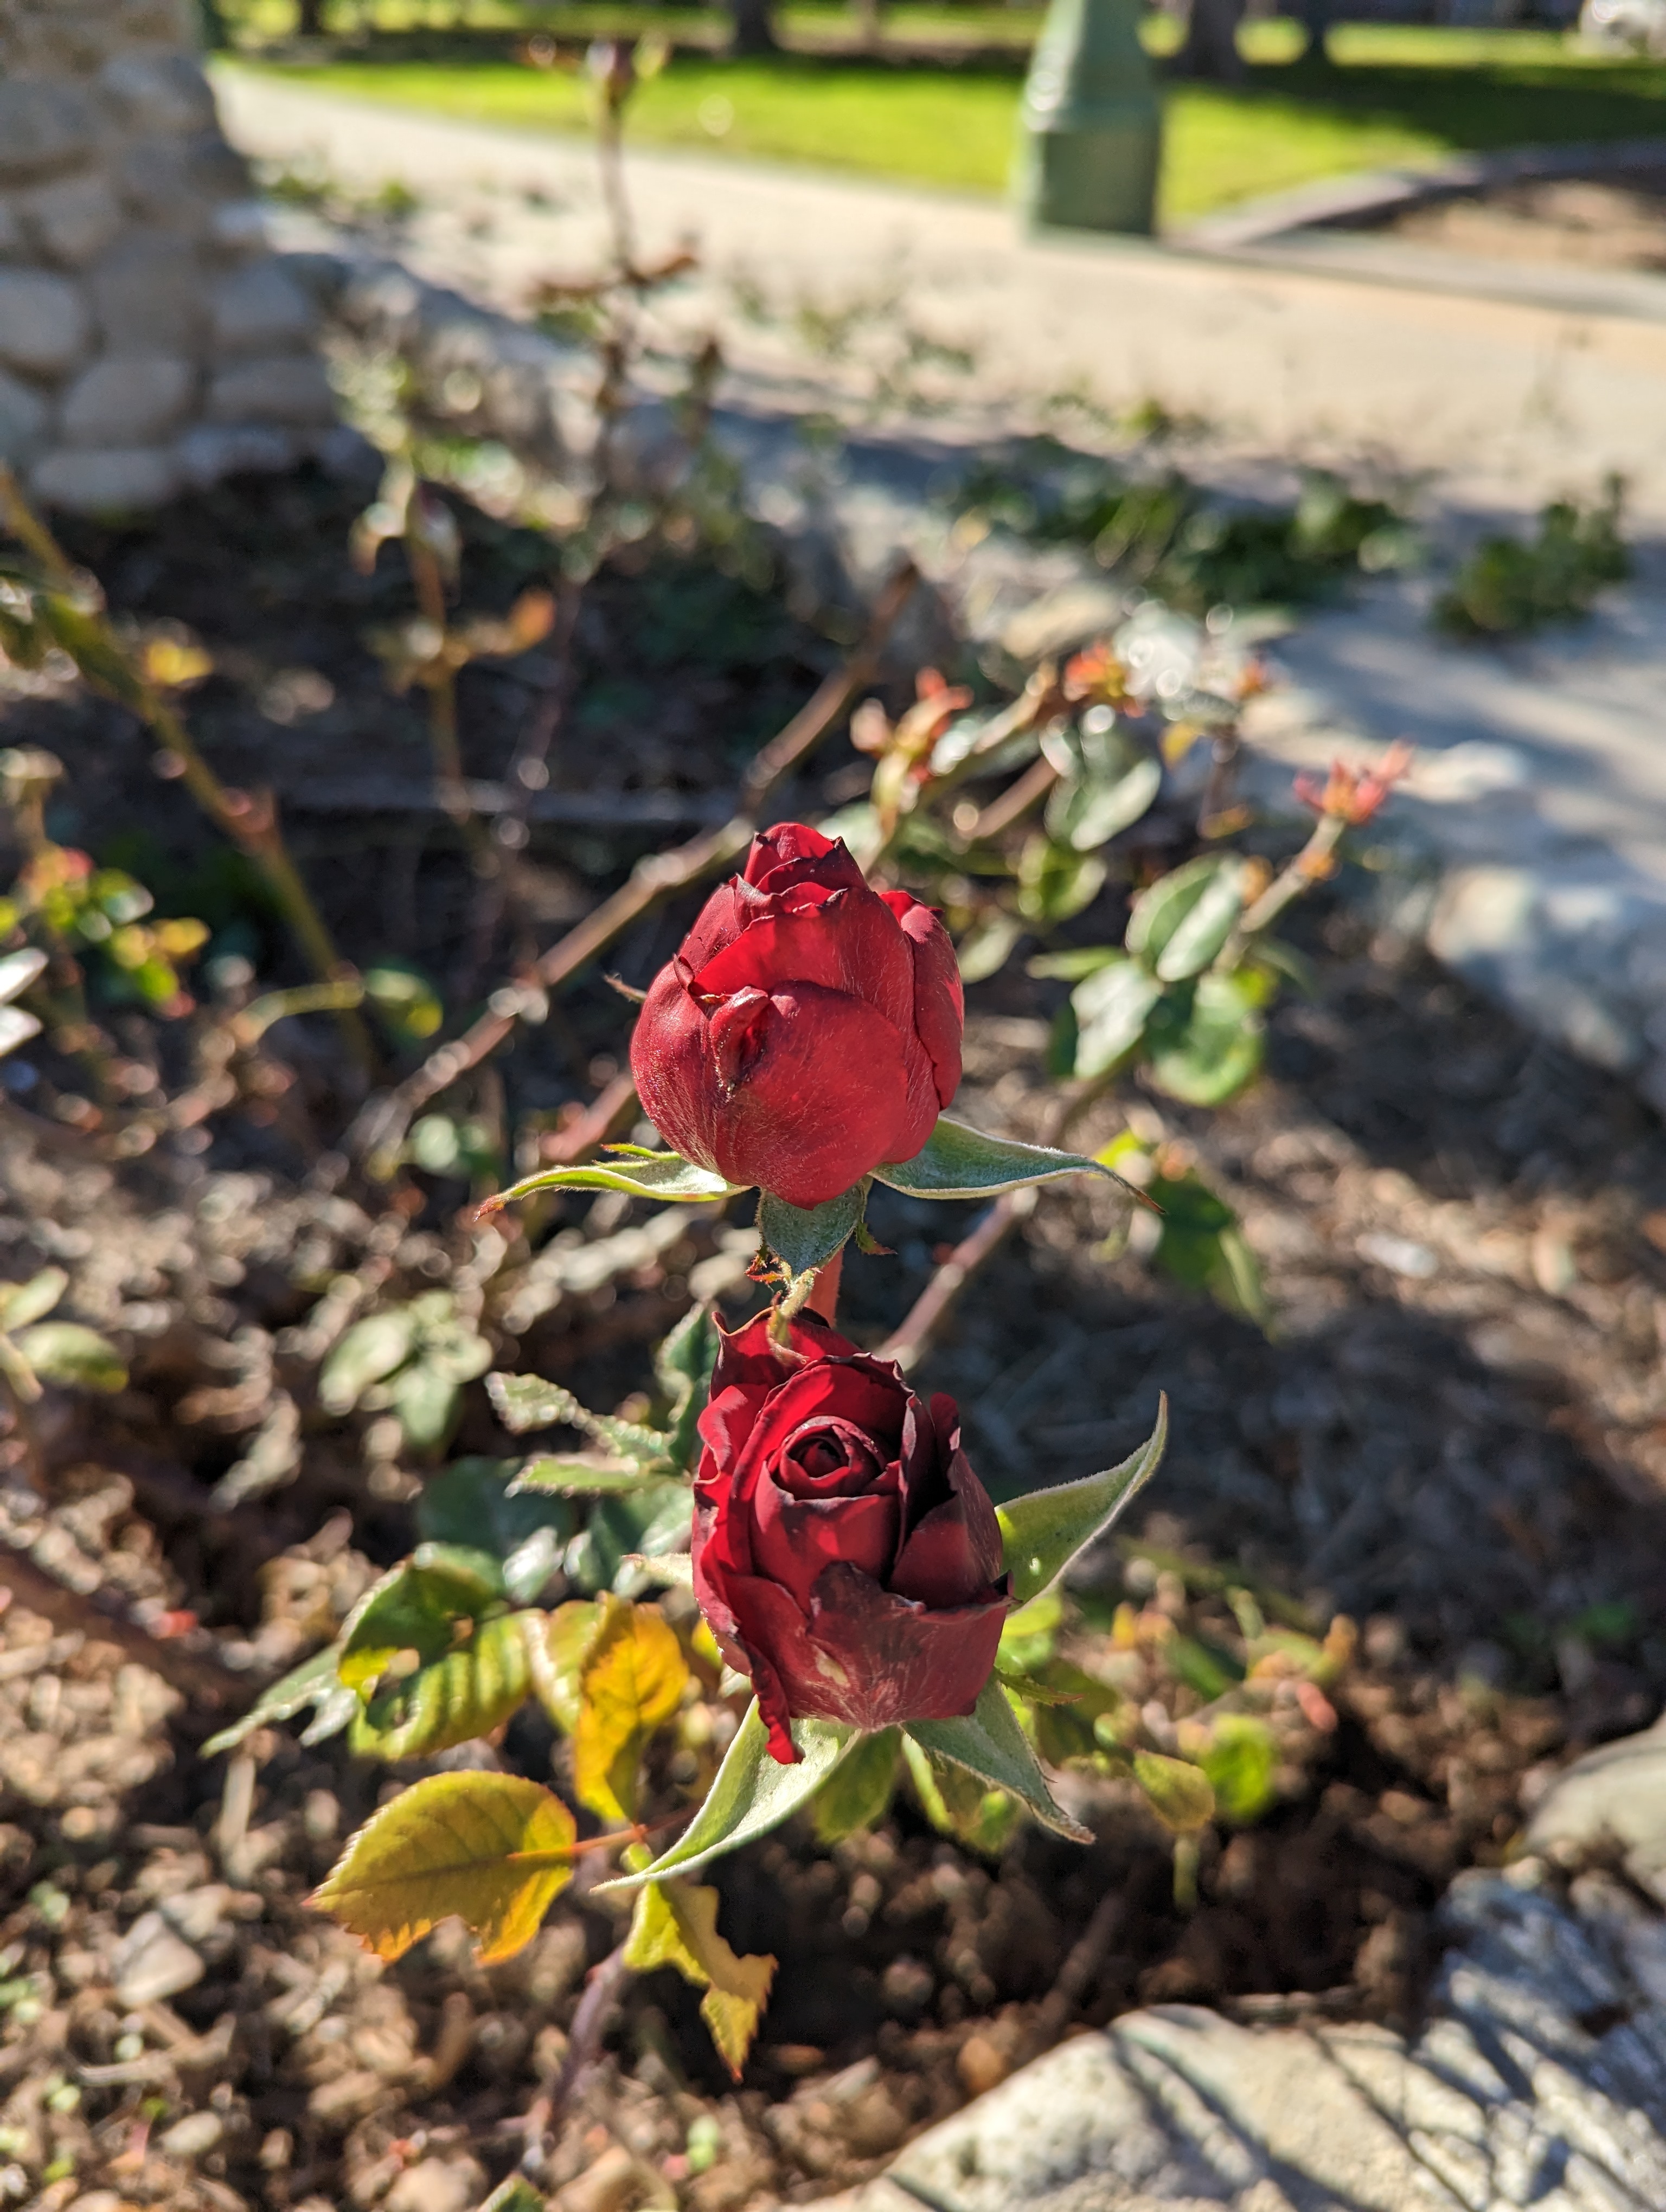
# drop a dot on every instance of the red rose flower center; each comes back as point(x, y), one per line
point(831, 1459)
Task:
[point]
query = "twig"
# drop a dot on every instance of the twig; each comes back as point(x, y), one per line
point(381, 1129)
point(589, 2024)
point(1037, 779)
point(908, 1347)
point(191, 1672)
point(1082, 1962)
point(604, 1116)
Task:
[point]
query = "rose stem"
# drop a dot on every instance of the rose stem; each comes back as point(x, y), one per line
point(381, 1129)
point(907, 1347)
point(823, 1299)
point(590, 2023)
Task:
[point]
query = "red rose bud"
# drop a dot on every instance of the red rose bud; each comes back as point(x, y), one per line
point(845, 1553)
point(809, 1028)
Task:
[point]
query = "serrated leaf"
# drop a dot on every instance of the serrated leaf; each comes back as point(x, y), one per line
point(684, 1365)
point(582, 1477)
point(675, 1924)
point(368, 1351)
point(1157, 916)
point(558, 1655)
point(74, 1358)
point(462, 1695)
point(478, 1501)
point(492, 1848)
point(856, 1794)
point(752, 1793)
point(990, 1744)
point(804, 1237)
point(1205, 1041)
point(1041, 1533)
point(1055, 882)
point(957, 1162)
point(22, 1302)
point(18, 971)
point(336, 1710)
point(1110, 1007)
point(305, 1685)
point(958, 1802)
point(1179, 1793)
point(418, 1607)
point(662, 1176)
point(634, 1677)
point(525, 1403)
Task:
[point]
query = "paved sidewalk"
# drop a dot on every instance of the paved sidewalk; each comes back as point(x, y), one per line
point(1509, 403)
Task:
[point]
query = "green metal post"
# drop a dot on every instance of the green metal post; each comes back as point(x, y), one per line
point(1091, 129)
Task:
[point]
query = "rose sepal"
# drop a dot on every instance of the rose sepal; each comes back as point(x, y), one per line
point(804, 1237)
point(639, 1174)
point(1041, 1533)
point(752, 1794)
point(989, 1743)
point(960, 1162)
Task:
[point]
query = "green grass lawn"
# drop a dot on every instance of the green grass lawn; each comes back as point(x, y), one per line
point(1383, 96)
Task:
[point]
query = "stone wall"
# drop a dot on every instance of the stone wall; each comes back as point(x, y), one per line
point(149, 340)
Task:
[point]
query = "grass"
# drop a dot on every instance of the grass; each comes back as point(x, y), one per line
point(1383, 96)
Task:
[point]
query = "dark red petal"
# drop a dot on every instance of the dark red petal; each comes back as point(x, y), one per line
point(748, 1355)
point(955, 1552)
point(795, 1540)
point(670, 1059)
point(719, 922)
point(848, 942)
point(829, 1096)
point(736, 1035)
point(862, 1392)
point(868, 1658)
point(940, 998)
point(796, 845)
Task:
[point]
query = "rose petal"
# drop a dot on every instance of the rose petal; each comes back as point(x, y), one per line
point(795, 845)
point(955, 1552)
point(849, 942)
point(939, 997)
point(794, 1539)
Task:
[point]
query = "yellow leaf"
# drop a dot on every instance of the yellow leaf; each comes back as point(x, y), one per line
point(633, 1682)
point(676, 1925)
point(493, 1848)
point(1181, 1794)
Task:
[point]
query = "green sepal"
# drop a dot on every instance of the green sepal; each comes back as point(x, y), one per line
point(752, 1794)
point(664, 1175)
point(957, 1162)
point(857, 1792)
point(804, 1237)
point(1042, 1534)
point(989, 1743)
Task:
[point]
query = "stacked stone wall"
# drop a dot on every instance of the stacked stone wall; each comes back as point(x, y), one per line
point(150, 342)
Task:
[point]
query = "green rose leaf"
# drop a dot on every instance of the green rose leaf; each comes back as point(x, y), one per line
point(583, 1477)
point(1206, 1041)
point(370, 1350)
point(957, 1162)
point(526, 1402)
point(1111, 1005)
point(417, 1606)
point(684, 1365)
point(1180, 1794)
point(990, 1744)
point(664, 1175)
point(309, 1684)
point(752, 1794)
point(958, 1803)
point(1177, 926)
point(856, 1794)
point(802, 1238)
point(1042, 1534)
point(463, 1694)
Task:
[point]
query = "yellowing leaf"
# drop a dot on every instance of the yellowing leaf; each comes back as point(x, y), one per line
point(493, 1848)
point(1179, 1794)
point(558, 1657)
point(676, 1925)
point(633, 1682)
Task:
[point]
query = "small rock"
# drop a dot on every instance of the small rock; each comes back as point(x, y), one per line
point(261, 310)
point(73, 219)
point(42, 127)
point(290, 389)
point(1401, 1255)
point(337, 2104)
point(159, 92)
point(1615, 1794)
point(437, 2184)
point(147, 294)
point(607, 2186)
point(43, 325)
point(981, 2065)
point(191, 2137)
point(152, 1962)
point(127, 400)
point(23, 416)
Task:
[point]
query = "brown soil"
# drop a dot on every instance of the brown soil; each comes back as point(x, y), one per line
point(1594, 223)
point(1457, 1431)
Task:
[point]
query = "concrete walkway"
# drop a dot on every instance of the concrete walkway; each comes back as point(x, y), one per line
point(1509, 403)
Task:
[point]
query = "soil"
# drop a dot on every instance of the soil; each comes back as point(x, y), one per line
point(1454, 1431)
point(1608, 222)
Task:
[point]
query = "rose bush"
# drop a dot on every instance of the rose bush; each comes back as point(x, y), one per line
point(845, 1554)
point(808, 1029)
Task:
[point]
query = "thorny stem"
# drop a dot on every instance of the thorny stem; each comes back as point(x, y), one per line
point(248, 819)
point(381, 1129)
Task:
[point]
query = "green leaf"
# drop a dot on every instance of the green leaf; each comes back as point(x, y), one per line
point(959, 1804)
point(1187, 911)
point(987, 946)
point(1110, 1007)
point(583, 1477)
point(369, 1351)
point(664, 1175)
point(1091, 808)
point(1204, 1042)
point(426, 1401)
point(558, 1655)
point(479, 1502)
point(684, 1365)
point(675, 1924)
point(1041, 1533)
point(462, 1695)
point(957, 1162)
point(803, 1238)
point(418, 1607)
point(18, 971)
point(1179, 1793)
point(990, 1744)
point(525, 1402)
point(517, 2194)
point(492, 1848)
point(1071, 966)
point(306, 1685)
point(1241, 1761)
point(856, 1794)
point(1054, 882)
point(634, 1678)
point(74, 1358)
point(22, 1302)
point(752, 1794)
